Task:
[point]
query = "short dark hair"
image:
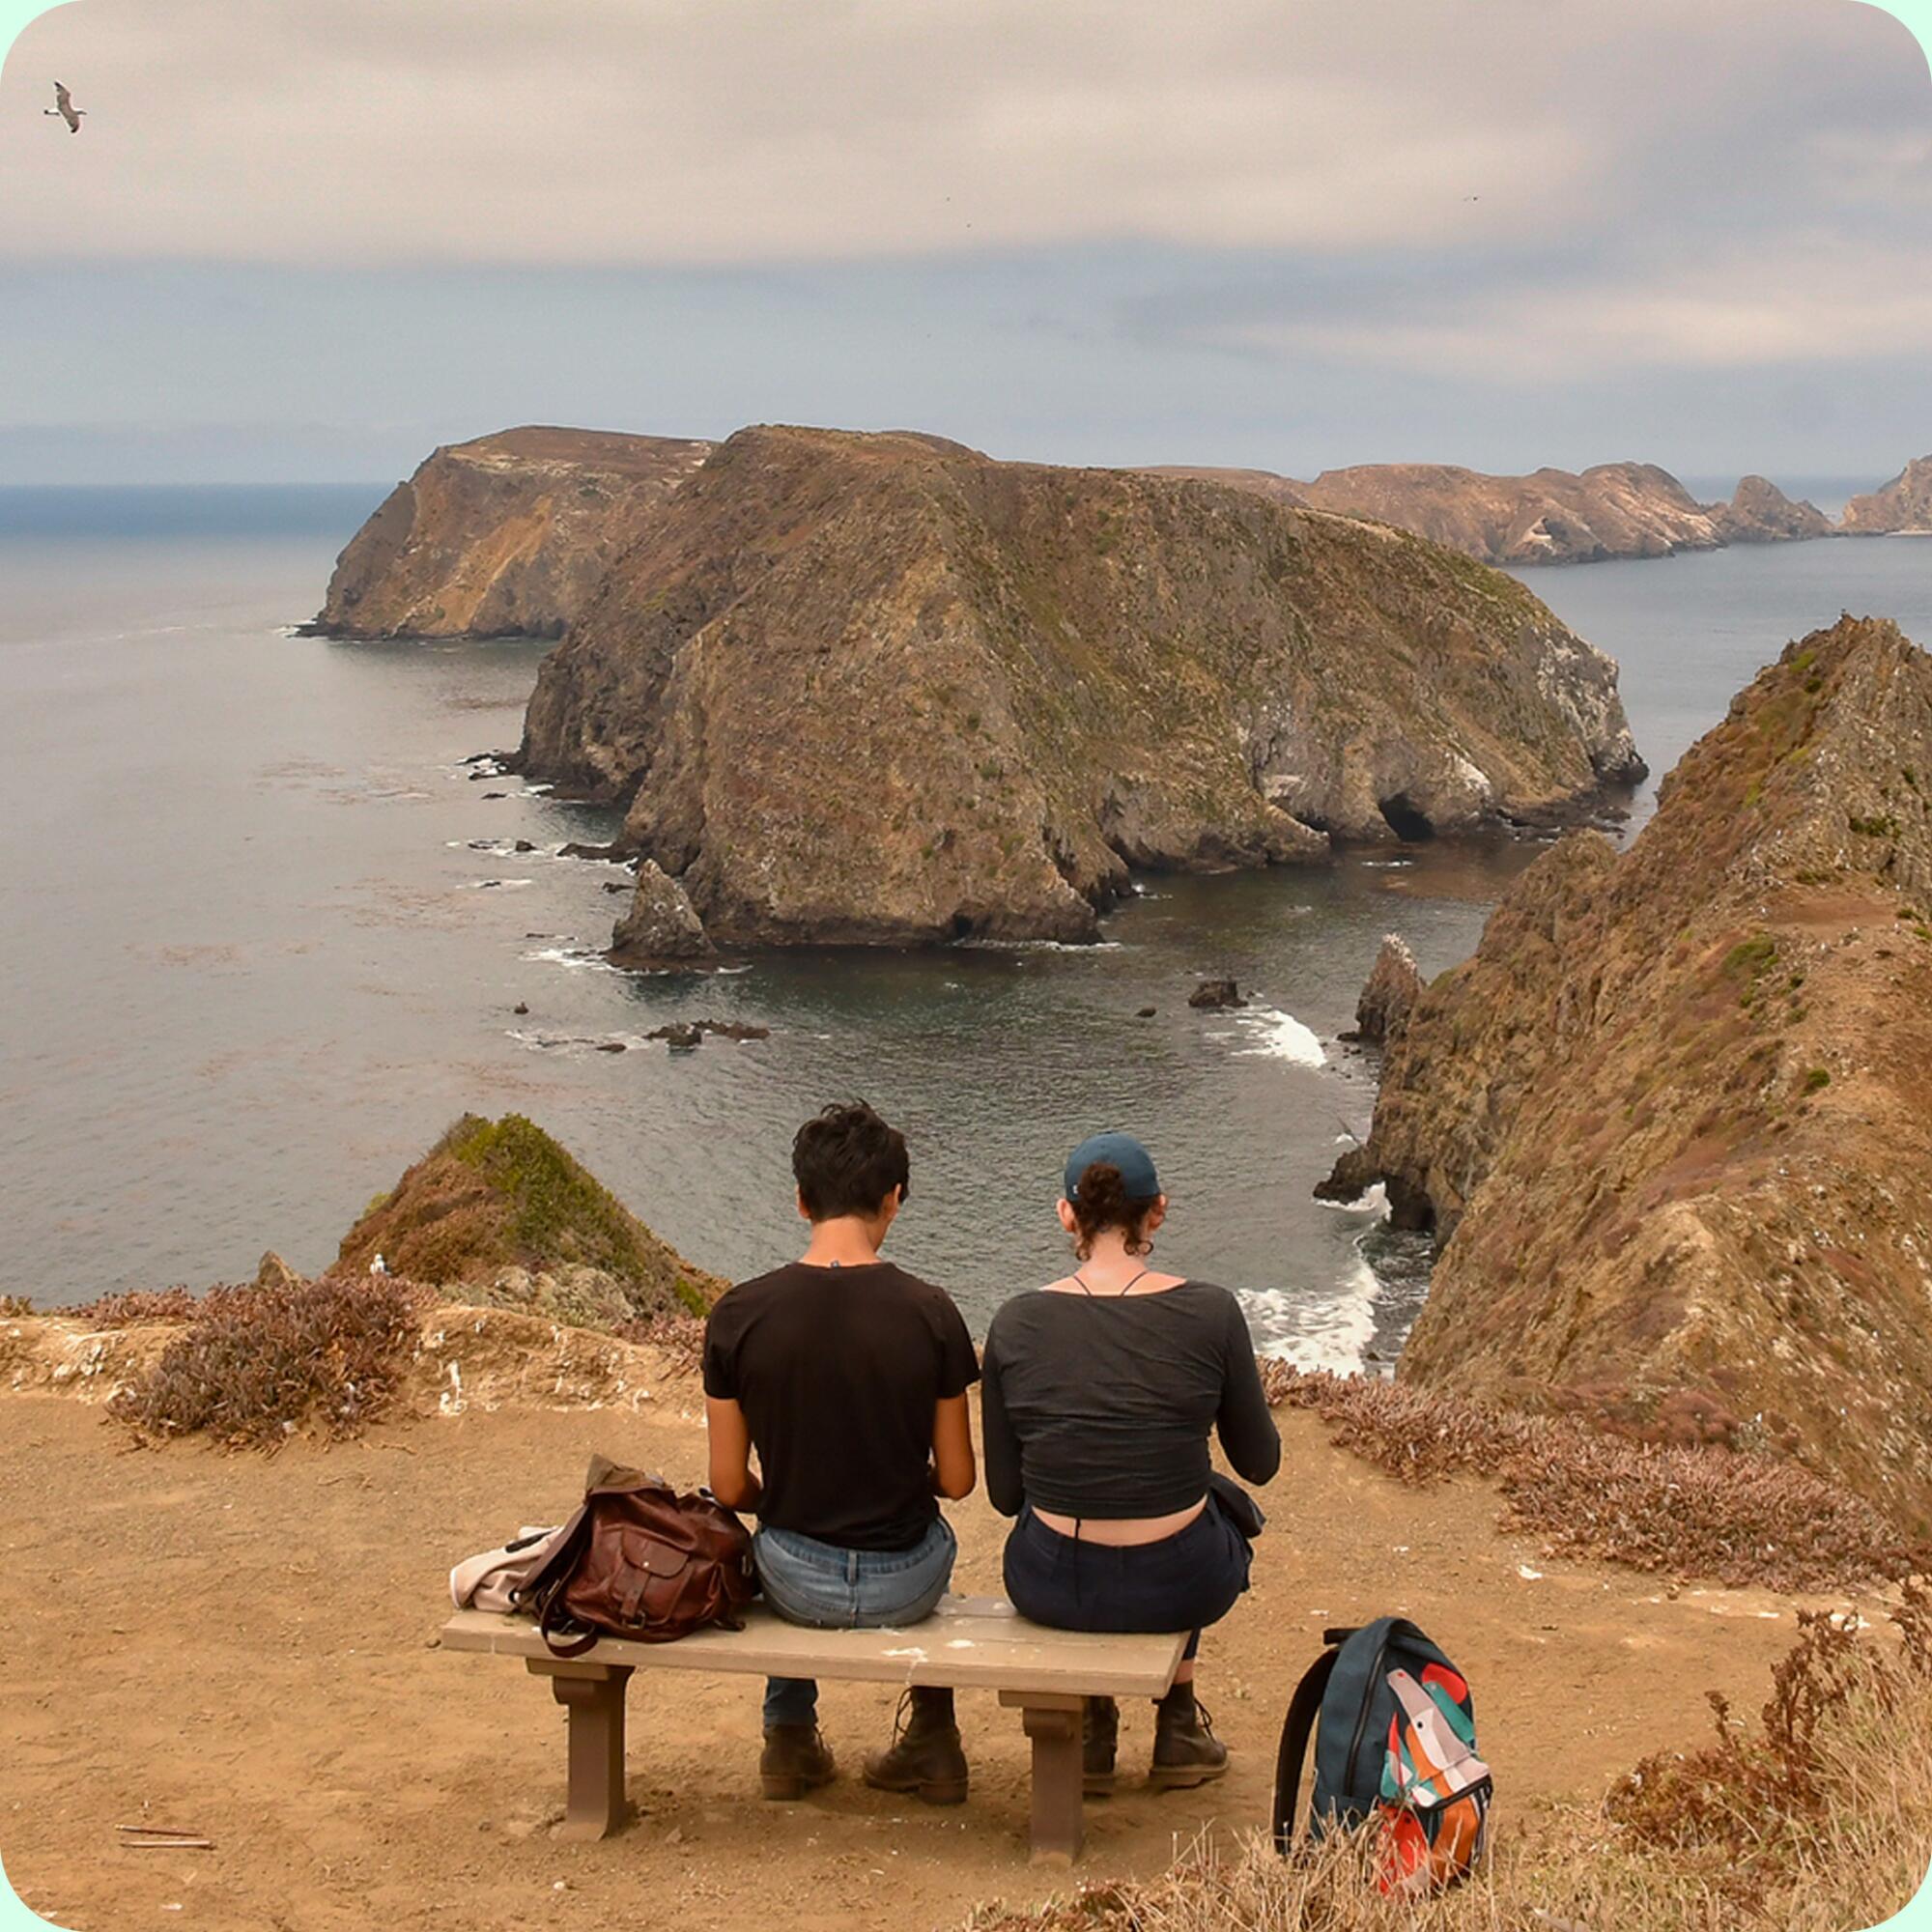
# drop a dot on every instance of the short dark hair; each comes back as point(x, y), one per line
point(846, 1161)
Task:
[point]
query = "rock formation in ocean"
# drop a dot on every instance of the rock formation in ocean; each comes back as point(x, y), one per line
point(660, 922)
point(1671, 1118)
point(1905, 504)
point(1760, 512)
point(881, 688)
point(1394, 985)
point(509, 535)
point(1614, 510)
point(500, 1210)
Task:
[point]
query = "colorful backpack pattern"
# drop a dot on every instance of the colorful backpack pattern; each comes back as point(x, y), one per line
point(1395, 1746)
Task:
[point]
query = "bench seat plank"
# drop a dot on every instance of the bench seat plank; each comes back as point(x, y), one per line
point(968, 1643)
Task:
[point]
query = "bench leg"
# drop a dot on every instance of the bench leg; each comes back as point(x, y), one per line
point(593, 1695)
point(1059, 1826)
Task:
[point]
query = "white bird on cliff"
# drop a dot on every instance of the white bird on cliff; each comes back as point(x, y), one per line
point(64, 108)
point(378, 1265)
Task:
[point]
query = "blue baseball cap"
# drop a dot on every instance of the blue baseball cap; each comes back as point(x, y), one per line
point(1121, 1150)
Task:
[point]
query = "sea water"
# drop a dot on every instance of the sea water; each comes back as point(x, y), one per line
point(262, 932)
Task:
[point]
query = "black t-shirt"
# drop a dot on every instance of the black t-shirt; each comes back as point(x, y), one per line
point(838, 1370)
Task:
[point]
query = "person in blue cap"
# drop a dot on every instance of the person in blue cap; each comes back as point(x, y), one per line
point(1100, 1392)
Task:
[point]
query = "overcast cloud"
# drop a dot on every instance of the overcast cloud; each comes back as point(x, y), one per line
point(1080, 228)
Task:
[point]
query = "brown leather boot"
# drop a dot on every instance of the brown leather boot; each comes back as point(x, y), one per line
point(1100, 1739)
point(795, 1760)
point(1185, 1750)
point(925, 1757)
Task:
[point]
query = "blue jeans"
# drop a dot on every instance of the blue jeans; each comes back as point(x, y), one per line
point(824, 1587)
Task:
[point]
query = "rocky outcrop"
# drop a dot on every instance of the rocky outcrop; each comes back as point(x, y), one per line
point(1670, 1118)
point(660, 923)
point(880, 689)
point(1904, 505)
point(1760, 512)
point(1554, 515)
point(1394, 985)
point(510, 535)
point(500, 1202)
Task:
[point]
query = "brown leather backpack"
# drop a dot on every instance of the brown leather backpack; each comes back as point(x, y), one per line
point(643, 1562)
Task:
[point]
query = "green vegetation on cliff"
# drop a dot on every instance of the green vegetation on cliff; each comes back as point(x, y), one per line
point(496, 1195)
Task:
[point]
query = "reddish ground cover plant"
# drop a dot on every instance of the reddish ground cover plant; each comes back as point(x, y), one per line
point(257, 1363)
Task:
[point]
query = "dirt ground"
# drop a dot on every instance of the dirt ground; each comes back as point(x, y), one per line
point(245, 1648)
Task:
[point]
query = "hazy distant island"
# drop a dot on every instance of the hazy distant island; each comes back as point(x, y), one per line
point(1554, 515)
point(880, 689)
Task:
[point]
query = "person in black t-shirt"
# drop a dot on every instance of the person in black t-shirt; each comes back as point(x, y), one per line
point(848, 1379)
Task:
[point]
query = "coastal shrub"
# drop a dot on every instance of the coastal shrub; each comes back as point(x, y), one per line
point(136, 1308)
point(255, 1364)
point(14, 1306)
point(1738, 1516)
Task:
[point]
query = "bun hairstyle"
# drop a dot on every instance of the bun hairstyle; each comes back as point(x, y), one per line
point(1101, 1201)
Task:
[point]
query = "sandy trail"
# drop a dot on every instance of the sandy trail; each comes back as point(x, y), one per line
point(245, 1648)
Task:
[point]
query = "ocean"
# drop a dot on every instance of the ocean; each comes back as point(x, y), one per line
point(262, 932)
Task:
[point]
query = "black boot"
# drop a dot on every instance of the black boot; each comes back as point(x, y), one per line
point(1185, 1750)
point(925, 1757)
point(796, 1760)
point(1100, 1736)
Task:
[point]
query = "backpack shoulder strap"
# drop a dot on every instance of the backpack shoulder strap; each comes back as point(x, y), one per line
point(1295, 1730)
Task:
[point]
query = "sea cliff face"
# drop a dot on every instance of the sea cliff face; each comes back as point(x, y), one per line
point(1904, 504)
point(509, 535)
point(881, 688)
point(1614, 510)
point(1671, 1116)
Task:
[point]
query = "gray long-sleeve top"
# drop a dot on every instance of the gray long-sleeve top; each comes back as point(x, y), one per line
point(1100, 1407)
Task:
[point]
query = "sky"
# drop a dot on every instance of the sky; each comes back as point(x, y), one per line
point(310, 239)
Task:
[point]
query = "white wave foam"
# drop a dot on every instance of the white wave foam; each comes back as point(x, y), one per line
point(1332, 1332)
point(1041, 945)
point(578, 958)
point(1278, 1036)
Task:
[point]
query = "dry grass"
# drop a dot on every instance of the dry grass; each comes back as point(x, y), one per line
point(1822, 1822)
point(257, 1363)
point(1740, 1518)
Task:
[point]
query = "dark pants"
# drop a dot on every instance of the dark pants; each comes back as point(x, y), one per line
point(1183, 1583)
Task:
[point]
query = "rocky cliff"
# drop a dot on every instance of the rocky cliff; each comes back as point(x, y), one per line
point(1671, 1116)
point(881, 688)
point(1904, 504)
point(1614, 510)
point(509, 535)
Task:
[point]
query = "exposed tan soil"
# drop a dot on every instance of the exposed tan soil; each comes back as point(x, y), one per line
point(244, 1647)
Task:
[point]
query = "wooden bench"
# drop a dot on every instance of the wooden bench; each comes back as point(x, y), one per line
point(971, 1643)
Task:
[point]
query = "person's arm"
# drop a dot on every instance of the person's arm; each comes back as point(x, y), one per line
point(1245, 1423)
point(953, 1470)
point(728, 1432)
point(732, 1479)
point(1004, 1490)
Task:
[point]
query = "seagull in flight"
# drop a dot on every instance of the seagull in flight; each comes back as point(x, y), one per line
point(64, 108)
